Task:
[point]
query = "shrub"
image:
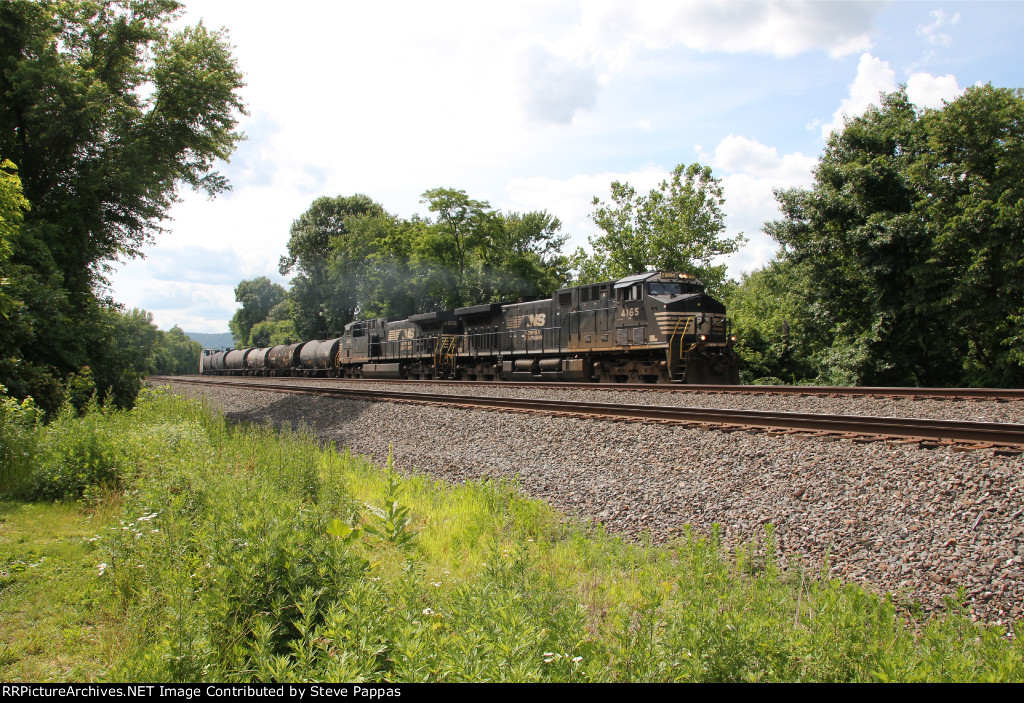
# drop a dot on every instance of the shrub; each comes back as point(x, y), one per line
point(19, 424)
point(79, 453)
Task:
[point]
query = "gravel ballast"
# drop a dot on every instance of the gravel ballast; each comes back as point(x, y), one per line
point(920, 523)
point(873, 406)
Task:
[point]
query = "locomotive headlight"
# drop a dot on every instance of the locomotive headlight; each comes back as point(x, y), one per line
point(703, 338)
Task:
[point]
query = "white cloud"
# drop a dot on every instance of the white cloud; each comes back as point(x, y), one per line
point(780, 29)
point(212, 245)
point(193, 306)
point(931, 31)
point(562, 70)
point(553, 87)
point(926, 90)
point(571, 199)
point(738, 154)
point(752, 171)
point(874, 77)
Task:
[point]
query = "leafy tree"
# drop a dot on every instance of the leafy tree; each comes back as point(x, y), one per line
point(175, 354)
point(448, 249)
point(972, 197)
point(258, 297)
point(323, 295)
point(107, 112)
point(124, 346)
point(678, 226)
point(766, 309)
point(270, 333)
point(13, 206)
point(389, 284)
point(910, 241)
point(277, 328)
point(31, 303)
point(856, 234)
point(523, 257)
point(353, 259)
point(474, 254)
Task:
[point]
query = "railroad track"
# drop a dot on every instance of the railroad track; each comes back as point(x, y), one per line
point(991, 394)
point(1000, 436)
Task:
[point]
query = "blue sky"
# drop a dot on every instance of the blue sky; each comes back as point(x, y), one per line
point(540, 106)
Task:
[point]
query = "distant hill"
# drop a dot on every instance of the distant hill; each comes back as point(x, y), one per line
point(212, 341)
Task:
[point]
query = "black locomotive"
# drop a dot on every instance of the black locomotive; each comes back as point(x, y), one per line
point(651, 327)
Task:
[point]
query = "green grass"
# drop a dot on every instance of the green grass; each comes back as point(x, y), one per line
point(57, 621)
point(183, 548)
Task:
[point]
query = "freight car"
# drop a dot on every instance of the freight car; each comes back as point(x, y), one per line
point(655, 327)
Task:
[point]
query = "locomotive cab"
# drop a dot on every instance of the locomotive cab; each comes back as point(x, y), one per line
point(359, 344)
point(683, 328)
point(695, 329)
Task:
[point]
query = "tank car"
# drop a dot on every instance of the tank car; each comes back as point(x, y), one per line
point(256, 361)
point(285, 359)
point(211, 361)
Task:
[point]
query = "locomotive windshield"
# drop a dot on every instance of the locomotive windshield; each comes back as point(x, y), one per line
point(671, 288)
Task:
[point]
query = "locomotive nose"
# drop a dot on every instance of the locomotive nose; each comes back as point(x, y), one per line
point(720, 364)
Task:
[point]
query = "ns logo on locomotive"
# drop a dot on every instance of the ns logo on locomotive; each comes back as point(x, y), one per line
point(655, 327)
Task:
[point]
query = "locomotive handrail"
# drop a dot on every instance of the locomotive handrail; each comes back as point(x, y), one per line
point(682, 337)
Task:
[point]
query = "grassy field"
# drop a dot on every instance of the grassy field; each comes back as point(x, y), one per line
point(165, 544)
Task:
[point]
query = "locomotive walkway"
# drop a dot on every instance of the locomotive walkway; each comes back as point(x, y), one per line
point(1004, 437)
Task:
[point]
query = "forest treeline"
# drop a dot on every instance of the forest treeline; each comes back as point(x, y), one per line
point(903, 263)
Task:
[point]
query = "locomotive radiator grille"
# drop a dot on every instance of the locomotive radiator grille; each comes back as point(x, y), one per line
point(676, 322)
point(625, 336)
point(670, 322)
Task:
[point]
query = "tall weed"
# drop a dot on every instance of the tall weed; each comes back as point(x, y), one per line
point(79, 453)
point(19, 437)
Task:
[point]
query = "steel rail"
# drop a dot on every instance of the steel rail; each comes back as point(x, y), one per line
point(998, 434)
point(999, 394)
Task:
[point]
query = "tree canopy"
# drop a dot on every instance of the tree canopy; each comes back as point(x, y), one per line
point(326, 261)
point(909, 246)
point(678, 226)
point(258, 297)
point(352, 259)
point(105, 111)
